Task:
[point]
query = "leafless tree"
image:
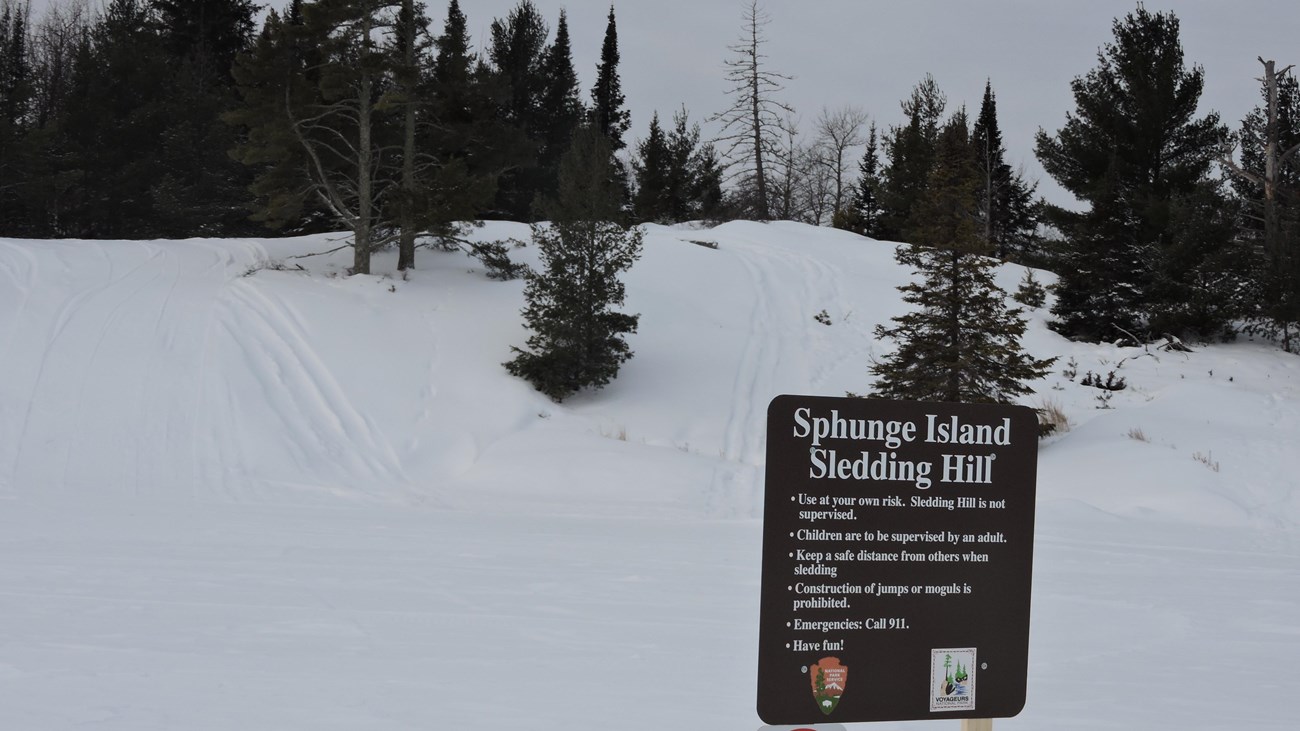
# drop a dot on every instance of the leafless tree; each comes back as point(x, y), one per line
point(816, 186)
point(54, 46)
point(752, 126)
point(786, 173)
point(839, 132)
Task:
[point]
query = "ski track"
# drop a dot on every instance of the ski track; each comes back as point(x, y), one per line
point(208, 522)
point(117, 364)
point(317, 419)
point(779, 320)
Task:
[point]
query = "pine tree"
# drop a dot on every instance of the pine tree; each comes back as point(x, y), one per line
point(118, 79)
point(274, 76)
point(201, 190)
point(1134, 150)
point(577, 339)
point(517, 49)
point(910, 151)
point(960, 343)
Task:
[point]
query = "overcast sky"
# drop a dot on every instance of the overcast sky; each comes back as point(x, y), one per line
point(870, 53)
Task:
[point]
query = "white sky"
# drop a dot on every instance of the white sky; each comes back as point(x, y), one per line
point(870, 53)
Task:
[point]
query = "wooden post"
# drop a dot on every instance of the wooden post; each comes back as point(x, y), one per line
point(977, 724)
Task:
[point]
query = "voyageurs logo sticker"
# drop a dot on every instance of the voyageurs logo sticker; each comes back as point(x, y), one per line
point(952, 679)
point(828, 678)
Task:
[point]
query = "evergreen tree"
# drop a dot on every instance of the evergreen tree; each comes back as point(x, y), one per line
point(1006, 201)
point(207, 34)
point(277, 75)
point(577, 334)
point(910, 150)
point(707, 200)
point(16, 94)
point(201, 189)
point(561, 108)
point(651, 168)
point(119, 77)
point(465, 124)
point(683, 176)
point(960, 343)
point(863, 214)
point(608, 113)
point(1138, 155)
point(517, 48)
point(677, 179)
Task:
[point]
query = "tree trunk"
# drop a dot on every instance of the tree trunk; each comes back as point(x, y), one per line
point(406, 244)
point(365, 181)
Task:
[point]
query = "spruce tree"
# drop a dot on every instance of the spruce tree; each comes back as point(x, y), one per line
point(610, 116)
point(608, 113)
point(677, 179)
point(1138, 155)
point(960, 343)
point(683, 176)
point(465, 125)
point(707, 200)
point(863, 214)
point(561, 108)
point(577, 336)
point(1006, 202)
point(651, 167)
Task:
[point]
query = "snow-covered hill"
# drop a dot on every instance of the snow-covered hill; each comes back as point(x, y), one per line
point(235, 493)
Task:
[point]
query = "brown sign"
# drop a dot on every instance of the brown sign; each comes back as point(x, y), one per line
point(897, 541)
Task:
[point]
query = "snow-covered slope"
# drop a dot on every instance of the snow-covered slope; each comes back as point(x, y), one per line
point(283, 498)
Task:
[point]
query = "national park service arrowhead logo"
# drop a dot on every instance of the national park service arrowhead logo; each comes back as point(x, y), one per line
point(828, 678)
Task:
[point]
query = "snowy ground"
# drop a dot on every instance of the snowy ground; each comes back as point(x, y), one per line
point(297, 500)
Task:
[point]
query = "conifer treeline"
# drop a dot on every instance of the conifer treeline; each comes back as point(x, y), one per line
point(172, 118)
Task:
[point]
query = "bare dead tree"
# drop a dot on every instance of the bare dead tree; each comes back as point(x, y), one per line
point(1274, 161)
point(752, 126)
point(1274, 157)
point(838, 132)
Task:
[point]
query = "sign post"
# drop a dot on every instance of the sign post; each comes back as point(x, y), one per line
point(897, 558)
